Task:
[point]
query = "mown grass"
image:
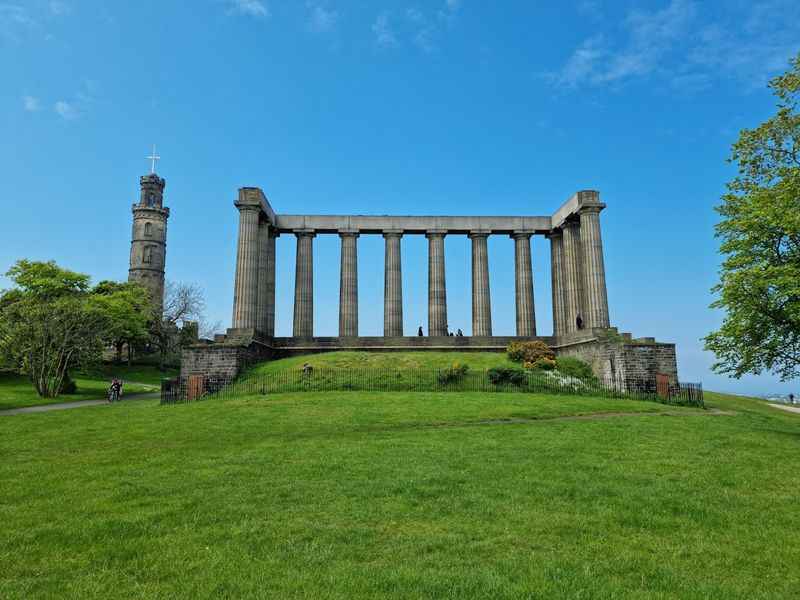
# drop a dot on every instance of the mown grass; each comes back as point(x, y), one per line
point(362, 495)
point(17, 391)
point(388, 360)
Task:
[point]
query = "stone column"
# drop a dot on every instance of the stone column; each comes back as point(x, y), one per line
point(594, 270)
point(263, 264)
point(573, 275)
point(348, 285)
point(481, 296)
point(526, 313)
point(393, 286)
point(270, 304)
point(557, 280)
point(437, 292)
point(303, 325)
point(245, 289)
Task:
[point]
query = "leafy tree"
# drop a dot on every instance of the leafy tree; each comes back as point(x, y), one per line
point(49, 324)
point(129, 312)
point(760, 237)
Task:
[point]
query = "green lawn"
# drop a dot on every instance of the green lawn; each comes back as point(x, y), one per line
point(18, 392)
point(388, 360)
point(357, 495)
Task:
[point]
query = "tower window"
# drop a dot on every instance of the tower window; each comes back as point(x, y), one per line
point(147, 258)
point(151, 199)
point(148, 229)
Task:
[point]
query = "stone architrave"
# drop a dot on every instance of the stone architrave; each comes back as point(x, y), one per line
point(348, 285)
point(393, 285)
point(481, 295)
point(526, 313)
point(303, 324)
point(437, 291)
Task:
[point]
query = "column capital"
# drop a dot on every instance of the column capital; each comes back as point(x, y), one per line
point(348, 233)
point(554, 233)
point(305, 233)
point(387, 233)
point(244, 206)
point(521, 234)
point(591, 209)
point(435, 233)
point(479, 233)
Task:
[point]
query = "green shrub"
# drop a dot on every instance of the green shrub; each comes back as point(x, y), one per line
point(529, 352)
point(544, 364)
point(575, 367)
point(507, 375)
point(453, 374)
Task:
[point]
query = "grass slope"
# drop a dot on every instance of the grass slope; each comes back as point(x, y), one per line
point(18, 392)
point(388, 360)
point(400, 495)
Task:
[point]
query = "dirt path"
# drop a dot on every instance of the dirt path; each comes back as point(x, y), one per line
point(70, 405)
point(791, 409)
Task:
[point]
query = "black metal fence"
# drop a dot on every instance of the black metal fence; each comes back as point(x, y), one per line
point(427, 380)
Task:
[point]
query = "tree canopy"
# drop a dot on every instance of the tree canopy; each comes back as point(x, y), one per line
point(759, 287)
point(51, 321)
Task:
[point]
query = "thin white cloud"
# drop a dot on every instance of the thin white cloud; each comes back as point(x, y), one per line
point(15, 21)
point(250, 8)
point(384, 34)
point(66, 110)
point(31, 104)
point(321, 19)
point(59, 8)
point(650, 36)
point(687, 48)
point(423, 28)
point(82, 102)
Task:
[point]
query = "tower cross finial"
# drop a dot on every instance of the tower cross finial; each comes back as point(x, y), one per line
point(153, 157)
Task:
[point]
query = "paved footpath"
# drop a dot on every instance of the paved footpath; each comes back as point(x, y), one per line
point(79, 404)
point(793, 409)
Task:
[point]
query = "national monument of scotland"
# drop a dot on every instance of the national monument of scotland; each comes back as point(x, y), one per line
point(581, 323)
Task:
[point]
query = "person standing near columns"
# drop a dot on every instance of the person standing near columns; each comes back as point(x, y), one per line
point(594, 274)
point(573, 275)
point(348, 285)
point(245, 291)
point(557, 281)
point(481, 296)
point(526, 313)
point(392, 285)
point(437, 292)
point(303, 325)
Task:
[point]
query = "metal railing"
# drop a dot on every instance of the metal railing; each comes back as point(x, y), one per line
point(426, 380)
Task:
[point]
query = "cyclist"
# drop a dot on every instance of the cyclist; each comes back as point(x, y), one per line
point(115, 391)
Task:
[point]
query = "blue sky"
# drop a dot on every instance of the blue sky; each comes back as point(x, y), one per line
point(438, 107)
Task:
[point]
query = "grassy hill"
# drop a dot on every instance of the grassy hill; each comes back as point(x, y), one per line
point(388, 360)
point(357, 495)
